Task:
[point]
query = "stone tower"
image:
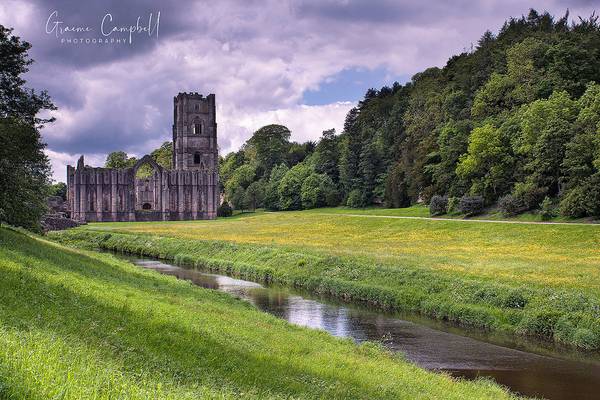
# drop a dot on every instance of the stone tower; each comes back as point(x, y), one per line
point(194, 132)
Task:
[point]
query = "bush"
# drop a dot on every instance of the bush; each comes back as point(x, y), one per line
point(510, 205)
point(224, 210)
point(355, 199)
point(471, 205)
point(438, 205)
point(574, 204)
point(586, 339)
point(547, 211)
point(529, 194)
point(540, 323)
point(452, 205)
point(583, 200)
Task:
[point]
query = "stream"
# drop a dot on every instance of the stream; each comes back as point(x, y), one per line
point(546, 374)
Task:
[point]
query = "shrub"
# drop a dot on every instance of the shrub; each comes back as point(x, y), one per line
point(539, 323)
point(529, 194)
point(355, 199)
point(438, 205)
point(452, 205)
point(574, 203)
point(547, 211)
point(586, 339)
point(471, 205)
point(583, 200)
point(224, 210)
point(510, 205)
point(516, 298)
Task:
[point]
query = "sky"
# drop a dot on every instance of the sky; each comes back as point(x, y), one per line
point(302, 64)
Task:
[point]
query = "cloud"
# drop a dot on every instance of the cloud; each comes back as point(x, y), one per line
point(261, 59)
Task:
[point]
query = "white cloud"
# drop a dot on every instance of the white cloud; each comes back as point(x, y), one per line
point(258, 58)
point(59, 162)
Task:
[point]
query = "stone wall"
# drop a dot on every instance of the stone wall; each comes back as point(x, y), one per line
point(104, 194)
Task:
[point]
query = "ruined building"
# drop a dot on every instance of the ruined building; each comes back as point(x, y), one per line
point(188, 191)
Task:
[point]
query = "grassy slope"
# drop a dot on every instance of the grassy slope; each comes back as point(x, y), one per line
point(76, 324)
point(532, 279)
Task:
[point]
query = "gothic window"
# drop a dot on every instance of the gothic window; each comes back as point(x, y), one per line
point(197, 107)
point(196, 158)
point(197, 128)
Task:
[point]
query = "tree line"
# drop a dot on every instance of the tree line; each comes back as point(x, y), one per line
point(514, 122)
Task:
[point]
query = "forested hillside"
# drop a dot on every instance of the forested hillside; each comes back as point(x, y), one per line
point(513, 123)
point(516, 120)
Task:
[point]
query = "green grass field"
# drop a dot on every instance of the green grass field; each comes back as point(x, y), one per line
point(76, 324)
point(527, 279)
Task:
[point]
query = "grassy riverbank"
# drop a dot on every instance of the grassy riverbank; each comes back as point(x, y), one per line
point(538, 280)
point(77, 324)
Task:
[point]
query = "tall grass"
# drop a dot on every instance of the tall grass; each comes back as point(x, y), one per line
point(561, 314)
point(83, 325)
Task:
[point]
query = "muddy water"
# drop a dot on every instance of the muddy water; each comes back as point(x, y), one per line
point(552, 376)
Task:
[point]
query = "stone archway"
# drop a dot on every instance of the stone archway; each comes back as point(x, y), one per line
point(147, 188)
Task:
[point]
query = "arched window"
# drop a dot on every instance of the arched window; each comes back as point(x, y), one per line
point(146, 206)
point(197, 128)
point(196, 158)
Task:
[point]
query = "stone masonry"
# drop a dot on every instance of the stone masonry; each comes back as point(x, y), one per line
point(188, 191)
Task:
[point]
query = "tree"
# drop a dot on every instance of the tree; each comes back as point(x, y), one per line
point(522, 83)
point(118, 159)
point(368, 167)
point(453, 141)
point(488, 162)
point(547, 126)
point(327, 155)
point(269, 145)
point(350, 147)
point(24, 168)
point(290, 187)
point(242, 177)
point(396, 190)
point(237, 197)
point(163, 155)
point(24, 174)
point(59, 189)
point(254, 195)
point(316, 190)
point(299, 152)
point(228, 165)
point(271, 198)
point(17, 101)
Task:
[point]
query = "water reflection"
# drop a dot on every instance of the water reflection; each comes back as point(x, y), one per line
point(526, 373)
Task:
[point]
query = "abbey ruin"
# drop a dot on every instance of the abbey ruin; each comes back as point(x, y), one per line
point(188, 191)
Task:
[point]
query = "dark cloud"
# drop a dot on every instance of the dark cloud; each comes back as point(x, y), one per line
point(381, 11)
point(261, 59)
point(173, 21)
